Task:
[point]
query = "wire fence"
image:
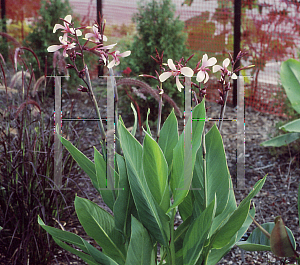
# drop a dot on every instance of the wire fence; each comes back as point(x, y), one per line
point(270, 32)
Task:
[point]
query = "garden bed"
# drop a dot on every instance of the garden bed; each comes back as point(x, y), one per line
point(277, 197)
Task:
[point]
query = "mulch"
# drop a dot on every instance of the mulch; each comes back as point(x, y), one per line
point(277, 197)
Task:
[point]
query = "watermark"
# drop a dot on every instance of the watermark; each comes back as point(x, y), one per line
point(188, 146)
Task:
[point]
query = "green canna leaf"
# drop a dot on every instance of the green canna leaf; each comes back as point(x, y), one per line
point(184, 155)
point(140, 246)
point(156, 172)
point(108, 195)
point(293, 126)
point(196, 235)
point(149, 212)
point(168, 137)
point(89, 253)
point(99, 225)
point(290, 79)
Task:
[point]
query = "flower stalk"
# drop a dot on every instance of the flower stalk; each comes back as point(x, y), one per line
point(96, 107)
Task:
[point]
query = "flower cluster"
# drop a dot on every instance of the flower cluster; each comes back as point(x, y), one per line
point(69, 42)
point(201, 71)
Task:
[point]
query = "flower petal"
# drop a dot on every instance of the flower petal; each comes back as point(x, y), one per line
point(68, 18)
point(57, 26)
point(54, 48)
point(233, 76)
point(108, 47)
point(217, 68)
point(171, 65)
point(204, 58)
point(200, 76)
point(226, 62)
point(78, 32)
point(124, 54)
point(111, 64)
point(178, 84)
point(206, 77)
point(164, 76)
point(89, 35)
point(186, 71)
point(65, 53)
point(211, 61)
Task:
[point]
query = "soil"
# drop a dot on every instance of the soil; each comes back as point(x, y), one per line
point(277, 197)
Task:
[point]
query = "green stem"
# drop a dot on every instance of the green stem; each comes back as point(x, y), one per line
point(96, 107)
point(159, 113)
point(114, 85)
point(222, 112)
point(171, 248)
point(204, 166)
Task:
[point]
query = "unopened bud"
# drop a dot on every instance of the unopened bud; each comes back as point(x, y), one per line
point(82, 89)
point(81, 74)
point(69, 66)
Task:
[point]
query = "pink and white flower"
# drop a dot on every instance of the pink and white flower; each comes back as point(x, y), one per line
point(224, 69)
point(66, 27)
point(64, 45)
point(202, 75)
point(186, 71)
point(116, 55)
point(96, 35)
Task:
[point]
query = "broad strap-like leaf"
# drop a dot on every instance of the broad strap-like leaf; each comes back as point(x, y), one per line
point(184, 155)
point(99, 225)
point(70, 238)
point(290, 79)
point(282, 140)
point(196, 235)
point(140, 245)
point(156, 172)
point(150, 214)
point(217, 179)
point(86, 164)
point(256, 188)
point(215, 255)
point(108, 195)
point(293, 126)
point(180, 232)
point(185, 208)
point(168, 137)
point(124, 201)
point(221, 219)
point(231, 226)
point(85, 257)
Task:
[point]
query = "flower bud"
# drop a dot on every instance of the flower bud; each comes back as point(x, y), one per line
point(82, 89)
point(81, 74)
point(69, 66)
point(280, 242)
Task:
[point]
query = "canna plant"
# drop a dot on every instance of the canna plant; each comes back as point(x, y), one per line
point(157, 178)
